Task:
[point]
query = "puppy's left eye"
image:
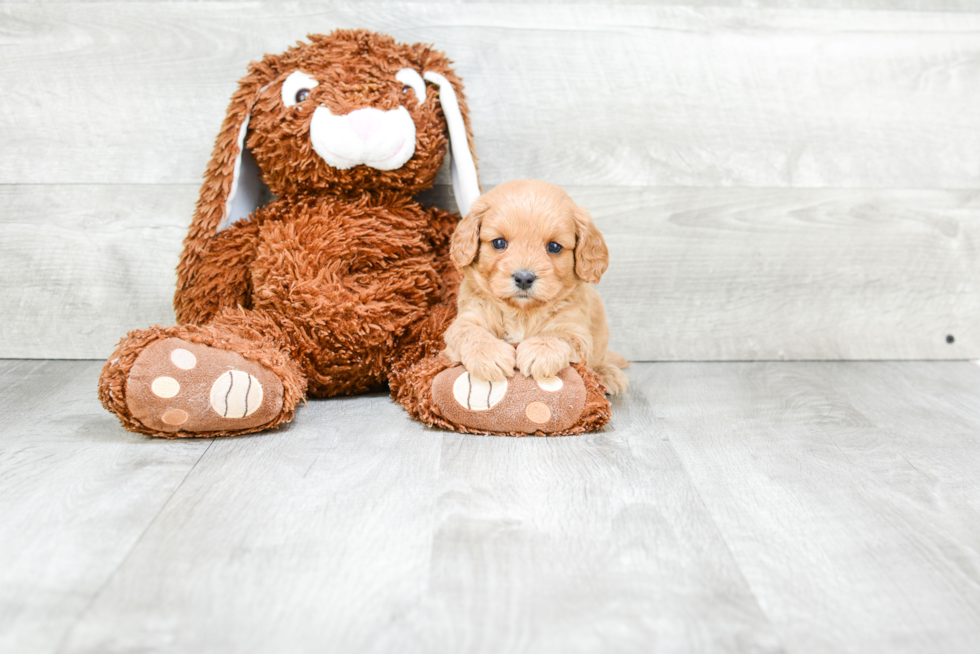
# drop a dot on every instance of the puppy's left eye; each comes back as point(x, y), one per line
point(555, 248)
point(499, 243)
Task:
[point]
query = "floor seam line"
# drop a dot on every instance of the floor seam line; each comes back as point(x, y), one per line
point(728, 548)
point(129, 553)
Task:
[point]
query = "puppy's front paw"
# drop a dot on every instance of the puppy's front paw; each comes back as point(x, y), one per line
point(490, 360)
point(614, 379)
point(543, 358)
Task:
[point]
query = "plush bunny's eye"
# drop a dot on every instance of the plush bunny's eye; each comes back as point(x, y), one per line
point(296, 88)
point(412, 80)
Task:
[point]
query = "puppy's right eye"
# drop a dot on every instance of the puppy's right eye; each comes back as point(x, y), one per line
point(499, 243)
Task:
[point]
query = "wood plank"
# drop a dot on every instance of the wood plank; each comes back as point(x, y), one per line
point(696, 274)
point(743, 274)
point(314, 537)
point(588, 544)
point(848, 543)
point(884, 5)
point(799, 507)
point(577, 94)
point(359, 530)
point(82, 265)
point(76, 495)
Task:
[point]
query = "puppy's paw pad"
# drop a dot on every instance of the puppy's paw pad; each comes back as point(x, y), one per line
point(175, 385)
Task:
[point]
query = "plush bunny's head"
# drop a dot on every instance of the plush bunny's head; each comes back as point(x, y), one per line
point(348, 112)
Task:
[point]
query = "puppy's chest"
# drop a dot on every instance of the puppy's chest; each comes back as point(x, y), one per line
point(517, 329)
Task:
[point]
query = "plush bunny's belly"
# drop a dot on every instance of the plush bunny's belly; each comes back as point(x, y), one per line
point(350, 280)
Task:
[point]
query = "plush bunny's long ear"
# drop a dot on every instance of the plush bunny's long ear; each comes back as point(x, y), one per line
point(466, 185)
point(232, 189)
point(248, 192)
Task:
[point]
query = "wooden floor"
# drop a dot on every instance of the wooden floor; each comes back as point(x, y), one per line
point(797, 507)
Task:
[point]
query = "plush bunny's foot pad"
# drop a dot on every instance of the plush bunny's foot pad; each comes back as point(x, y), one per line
point(518, 404)
point(179, 386)
point(441, 393)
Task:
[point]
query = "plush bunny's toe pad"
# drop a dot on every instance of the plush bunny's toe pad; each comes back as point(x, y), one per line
point(519, 404)
point(179, 386)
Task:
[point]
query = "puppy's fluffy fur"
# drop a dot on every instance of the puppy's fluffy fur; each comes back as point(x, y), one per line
point(556, 319)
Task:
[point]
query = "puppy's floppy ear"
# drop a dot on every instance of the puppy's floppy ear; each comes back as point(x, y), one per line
point(591, 253)
point(466, 239)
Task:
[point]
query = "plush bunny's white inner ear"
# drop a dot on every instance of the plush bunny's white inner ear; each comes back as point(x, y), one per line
point(410, 78)
point(248, 191)
point(466, 185)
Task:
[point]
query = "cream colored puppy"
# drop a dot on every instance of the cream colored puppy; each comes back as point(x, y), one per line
point(529, 256)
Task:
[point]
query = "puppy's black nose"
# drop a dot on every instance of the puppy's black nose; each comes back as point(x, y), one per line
point(524, 279)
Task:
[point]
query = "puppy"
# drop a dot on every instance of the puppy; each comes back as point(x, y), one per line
point(529, 256)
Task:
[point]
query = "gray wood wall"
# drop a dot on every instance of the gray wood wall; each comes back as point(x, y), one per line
point(799, 180)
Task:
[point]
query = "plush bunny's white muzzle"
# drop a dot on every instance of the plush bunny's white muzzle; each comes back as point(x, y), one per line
point(383, 140)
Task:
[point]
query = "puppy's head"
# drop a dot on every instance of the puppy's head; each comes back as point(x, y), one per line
point(527, 244)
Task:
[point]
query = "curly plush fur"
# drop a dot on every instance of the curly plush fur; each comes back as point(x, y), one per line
point(341, 284)
point(344, 274)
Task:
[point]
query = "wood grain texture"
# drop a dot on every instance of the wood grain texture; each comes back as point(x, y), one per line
point(884, 5)
point(357, 530)
point(696, 274)
point(76, 495)
point(729, 507)
point(743, 274)
point(593, 544)
point(307, 539)
point(576, 94)
point(82, 265)
point(841, 489)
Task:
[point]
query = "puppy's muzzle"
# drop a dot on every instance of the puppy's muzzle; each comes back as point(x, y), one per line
point(524, 279)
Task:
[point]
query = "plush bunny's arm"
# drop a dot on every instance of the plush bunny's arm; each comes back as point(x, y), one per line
point(222, 277)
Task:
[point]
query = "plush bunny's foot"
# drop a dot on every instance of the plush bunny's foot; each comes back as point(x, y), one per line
point(517, 405)
point(441, 393)
point(200, 381)
point(179, 386)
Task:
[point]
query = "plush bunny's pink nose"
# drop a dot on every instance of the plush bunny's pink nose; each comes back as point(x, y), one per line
point(365, 122)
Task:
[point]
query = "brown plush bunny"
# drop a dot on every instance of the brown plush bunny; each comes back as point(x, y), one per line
point(338, 285)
